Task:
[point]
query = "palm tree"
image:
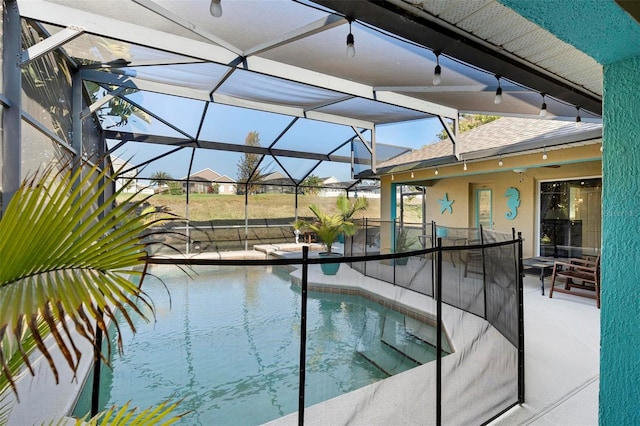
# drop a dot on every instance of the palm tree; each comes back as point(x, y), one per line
point(65, 258)
point(160, 178)
point(312, 184)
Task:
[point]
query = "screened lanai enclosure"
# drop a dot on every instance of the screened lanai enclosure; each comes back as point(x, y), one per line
point(265, 99)
point(234, 116)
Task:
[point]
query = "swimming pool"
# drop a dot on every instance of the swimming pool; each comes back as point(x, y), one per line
point(227, 342)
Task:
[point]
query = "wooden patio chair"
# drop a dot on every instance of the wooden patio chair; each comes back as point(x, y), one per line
point(578, 273)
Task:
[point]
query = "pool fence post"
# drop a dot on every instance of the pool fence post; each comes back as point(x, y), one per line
point(97, 364)
point(439, 336)
point(393, 249)
point(366, 239)
point(303, 334)
point(520, 323)
point(484, 274)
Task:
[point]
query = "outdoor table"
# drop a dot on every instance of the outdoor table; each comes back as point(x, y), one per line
point(543, 264)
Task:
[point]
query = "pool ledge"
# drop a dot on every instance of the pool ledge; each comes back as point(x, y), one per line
point(408, 398)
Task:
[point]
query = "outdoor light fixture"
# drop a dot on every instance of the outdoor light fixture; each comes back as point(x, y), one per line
point(464, 167)
point(500, 163)
point(578, 118)
point(544, 153)
point(411, 175)
point(392, 178)
point(436, 172)
point(351, 49)
point(543, 108)
point(216, 8)
point(498, 98)
point(437, 78)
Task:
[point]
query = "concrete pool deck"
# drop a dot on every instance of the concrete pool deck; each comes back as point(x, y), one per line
point(561, 375)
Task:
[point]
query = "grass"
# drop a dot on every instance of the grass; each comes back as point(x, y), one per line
point(207, 207)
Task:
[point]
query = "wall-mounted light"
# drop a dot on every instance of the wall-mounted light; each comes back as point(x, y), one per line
point(498, 98)
point(216, 8)
point(544, 153)
point(500, 163)
point(543, 107)
point(578, 118)
point(412, 175)
point(351, 48)
point(436, 172)
point(464, 167)
point(392, 178)
point(437, 73)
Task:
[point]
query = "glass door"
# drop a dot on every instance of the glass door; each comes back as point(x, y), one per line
point(483, 208)
point(570, 217)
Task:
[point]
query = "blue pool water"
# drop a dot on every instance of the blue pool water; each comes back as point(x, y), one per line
point(227, 343)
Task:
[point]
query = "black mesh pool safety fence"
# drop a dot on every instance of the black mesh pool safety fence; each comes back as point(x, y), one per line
point(421, 324)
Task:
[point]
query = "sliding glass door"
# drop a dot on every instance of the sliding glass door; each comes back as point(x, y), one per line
point(570, 217)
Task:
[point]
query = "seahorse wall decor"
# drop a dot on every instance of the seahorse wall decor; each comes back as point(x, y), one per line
point(513, 202)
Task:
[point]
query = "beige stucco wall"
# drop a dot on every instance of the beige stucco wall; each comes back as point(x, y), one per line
point(459, 185)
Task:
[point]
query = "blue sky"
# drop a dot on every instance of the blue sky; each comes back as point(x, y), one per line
point(231, 125)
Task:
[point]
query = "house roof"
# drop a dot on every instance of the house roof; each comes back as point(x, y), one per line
point(205, 174)
point(225, 179)
point(503, 136)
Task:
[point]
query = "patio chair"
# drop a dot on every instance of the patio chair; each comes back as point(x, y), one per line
point(578, 273)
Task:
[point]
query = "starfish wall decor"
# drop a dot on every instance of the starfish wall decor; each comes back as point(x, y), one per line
point(445, 204)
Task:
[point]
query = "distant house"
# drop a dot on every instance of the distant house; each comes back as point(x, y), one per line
point(366, 189)
point(127, 176)
point(208, 181)
point(276, 183)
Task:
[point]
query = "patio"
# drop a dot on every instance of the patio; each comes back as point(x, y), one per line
point(562, 347)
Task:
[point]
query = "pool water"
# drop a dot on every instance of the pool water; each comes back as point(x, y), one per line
point(227, 343)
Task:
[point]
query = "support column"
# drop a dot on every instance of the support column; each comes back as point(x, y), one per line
point(620, 315)
point(11, 115)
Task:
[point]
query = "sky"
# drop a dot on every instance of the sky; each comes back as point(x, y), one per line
point(231, 125)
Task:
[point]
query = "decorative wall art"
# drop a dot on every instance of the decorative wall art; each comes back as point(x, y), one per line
point(513, 202)
point(445, 204)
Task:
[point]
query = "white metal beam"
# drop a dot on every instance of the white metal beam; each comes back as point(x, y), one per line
point(150, 86)
point(308, 30)
point(461, 89)
point(66, 16)
point(416, 104)
point(167, 14)
point(50, 43)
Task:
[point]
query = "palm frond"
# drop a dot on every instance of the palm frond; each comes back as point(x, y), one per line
point(65, 256)
point(158, 415)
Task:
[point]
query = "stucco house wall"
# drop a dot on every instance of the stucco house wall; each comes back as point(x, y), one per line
point(459, 185)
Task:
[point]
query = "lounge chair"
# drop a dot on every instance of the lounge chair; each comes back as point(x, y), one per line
point(578, 273)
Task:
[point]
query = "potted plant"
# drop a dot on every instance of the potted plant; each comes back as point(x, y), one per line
point(403, 243)
point(329, 226)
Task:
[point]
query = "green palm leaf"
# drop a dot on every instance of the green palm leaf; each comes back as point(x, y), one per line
point(65, 256)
